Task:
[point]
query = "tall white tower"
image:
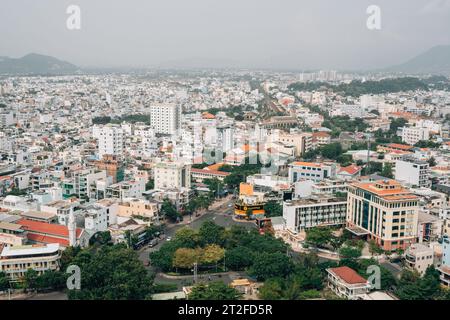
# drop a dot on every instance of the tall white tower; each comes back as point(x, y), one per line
point(72, 229)
point(166, 118)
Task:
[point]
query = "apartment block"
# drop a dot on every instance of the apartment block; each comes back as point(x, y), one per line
point(383, 211)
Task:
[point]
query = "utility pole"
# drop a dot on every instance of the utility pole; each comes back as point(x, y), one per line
point(224, 265)
point(195, 272)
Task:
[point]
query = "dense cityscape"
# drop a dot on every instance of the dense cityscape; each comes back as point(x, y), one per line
point(225, 185)
point(241, 158)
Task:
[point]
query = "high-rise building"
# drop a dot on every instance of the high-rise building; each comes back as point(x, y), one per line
point(383, 211)
point(225, 138)
point(165, 118)
point(110, 140)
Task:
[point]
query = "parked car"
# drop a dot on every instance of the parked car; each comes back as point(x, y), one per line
point(153, 243)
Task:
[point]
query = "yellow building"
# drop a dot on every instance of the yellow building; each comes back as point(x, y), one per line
point(138, 208)
point(249, 201)
point(383, 211)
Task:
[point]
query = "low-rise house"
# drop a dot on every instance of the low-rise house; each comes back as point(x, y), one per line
point(419, 257)
point(347, 283)
point(138, 208)
point(348, 173)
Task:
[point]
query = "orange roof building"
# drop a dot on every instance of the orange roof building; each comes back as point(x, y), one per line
point(347, 283)
point(42, 232)
point(383, 211)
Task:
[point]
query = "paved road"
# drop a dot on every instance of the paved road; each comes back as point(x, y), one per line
point(392, 267)
point(222, 215)
point(39, 296)
point(201, 278)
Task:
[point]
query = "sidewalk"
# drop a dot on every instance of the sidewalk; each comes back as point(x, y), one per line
point(187, 220)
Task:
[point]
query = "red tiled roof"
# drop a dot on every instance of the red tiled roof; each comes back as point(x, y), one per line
point(351, 169)
point(215, 172)
point(321, 134)
point(46, 239)
point(46, 228)
point(399, 146)
point(349, 275)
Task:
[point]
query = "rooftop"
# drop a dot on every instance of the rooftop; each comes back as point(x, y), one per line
point(348, 275)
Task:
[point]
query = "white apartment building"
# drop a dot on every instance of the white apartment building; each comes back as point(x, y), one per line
point(16, 260)
point(419, 257)
point(166, 118)
point(353, 111)
point(412, 135)
point(311, 171)
point(172, 175)
point(7, 118)
point(95, 218)
point(413, 172)
point(225, 138)
point(61, 208)
point(313, 212)
point(127, 189)
point(110, 140)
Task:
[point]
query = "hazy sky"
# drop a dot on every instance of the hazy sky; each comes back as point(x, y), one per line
point(243, 33)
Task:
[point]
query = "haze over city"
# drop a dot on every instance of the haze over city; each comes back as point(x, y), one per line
point(288, 34)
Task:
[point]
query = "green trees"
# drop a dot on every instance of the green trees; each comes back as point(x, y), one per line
point(332, 150)
point(304, 282)
point(163, 258)
point(350, 252)
point(387, 171)
point(101, 237)
point(273, 209)
point(30, 279)
point(273, 289)
point(188, 246)
point(215, 186)
point(4, 282)
point(237, 246)
point(357, 88)
point(319, 237)
point(213, 291)
point(269, 265)
point(49, 280)
point(211, 233)
point(185, 258)
point(238, 173)
point(169, 211)
point(432, 162)
point(413, 287)
point(150, 184)
point(238, 258)
point(397, 123)
point(111, 273)
point(427, 144)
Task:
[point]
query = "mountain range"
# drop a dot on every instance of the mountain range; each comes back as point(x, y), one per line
point(435, 61)
point(35, 64)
